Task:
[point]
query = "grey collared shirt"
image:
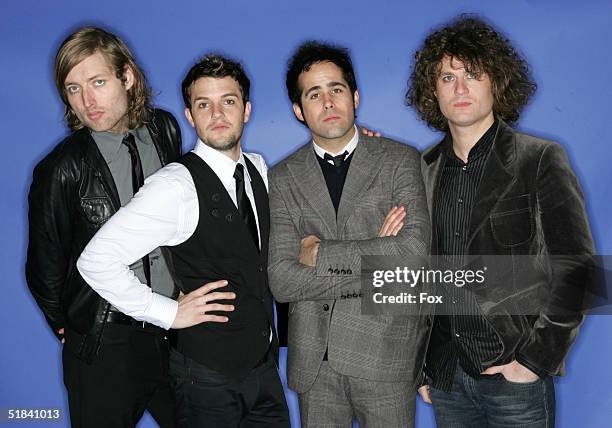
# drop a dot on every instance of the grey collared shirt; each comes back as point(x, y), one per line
point(117, 158)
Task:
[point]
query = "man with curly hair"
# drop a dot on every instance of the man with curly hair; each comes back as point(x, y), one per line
point(494, 191)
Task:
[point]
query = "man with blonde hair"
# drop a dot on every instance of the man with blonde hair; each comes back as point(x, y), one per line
point(114, 366)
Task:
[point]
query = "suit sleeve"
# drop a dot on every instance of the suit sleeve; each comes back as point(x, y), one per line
point(50, 235)
point(567, 234)
point(292, 281)
point(413, 239)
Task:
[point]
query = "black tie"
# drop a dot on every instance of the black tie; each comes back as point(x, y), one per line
point(337, 160)
point(137, 182)
point(244, 206)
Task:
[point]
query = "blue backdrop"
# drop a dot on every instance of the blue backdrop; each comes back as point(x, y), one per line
point(566, 42)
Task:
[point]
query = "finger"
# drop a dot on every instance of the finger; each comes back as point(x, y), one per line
point(218, 295)
point(392, 222)
point(214, 318)
point(208, 287)
point(397, 228)
point(217, 307)
point(384, 228)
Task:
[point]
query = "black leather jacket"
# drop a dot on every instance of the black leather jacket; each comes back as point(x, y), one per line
point(72, 194)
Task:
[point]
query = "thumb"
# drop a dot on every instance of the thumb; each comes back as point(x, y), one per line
point(492, 370)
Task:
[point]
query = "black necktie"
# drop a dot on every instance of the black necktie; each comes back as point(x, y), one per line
point(337, 160)
point(244, 206)
point(137, 182)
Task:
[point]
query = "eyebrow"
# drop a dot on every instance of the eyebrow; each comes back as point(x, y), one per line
point(329, 85)
point(229, 94)
point(89, 79)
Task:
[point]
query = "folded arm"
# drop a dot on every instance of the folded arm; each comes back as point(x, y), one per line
point(338, 262)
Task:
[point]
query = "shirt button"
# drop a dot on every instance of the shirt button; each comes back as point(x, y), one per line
point(457, 234)
point(464, 168)
point(326, 307)
point(457, 335)
point(460, 200)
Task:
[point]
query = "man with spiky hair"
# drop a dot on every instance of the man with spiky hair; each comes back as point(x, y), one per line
point(114, 367)
point(210, 210)
point(494, 191)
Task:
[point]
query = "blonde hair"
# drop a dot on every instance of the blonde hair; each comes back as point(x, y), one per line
point(88, 41)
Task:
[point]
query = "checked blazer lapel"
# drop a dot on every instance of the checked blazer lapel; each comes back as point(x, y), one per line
point(307, 174)
point(364, 167)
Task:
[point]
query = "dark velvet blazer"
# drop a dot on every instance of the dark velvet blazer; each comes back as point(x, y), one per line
point(529, 207)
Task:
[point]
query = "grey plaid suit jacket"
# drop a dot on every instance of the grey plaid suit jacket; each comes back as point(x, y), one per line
point(325, 308)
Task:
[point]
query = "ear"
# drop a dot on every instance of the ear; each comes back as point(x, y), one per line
point(247, 111)
point(189, 118)
point(356, 99)
point(128, 76)
point(298, 112)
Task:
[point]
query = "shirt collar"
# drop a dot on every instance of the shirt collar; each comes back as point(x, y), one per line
point(223, 166)
point(481, 147)
point(350, 147)
point(109, 143)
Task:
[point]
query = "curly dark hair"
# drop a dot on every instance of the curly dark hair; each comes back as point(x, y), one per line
point(313, 52)
point(481, 49)
point(216, 66)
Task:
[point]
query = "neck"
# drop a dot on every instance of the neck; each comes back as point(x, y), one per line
point(334, 145)
point(466, 137)
point(233, 153)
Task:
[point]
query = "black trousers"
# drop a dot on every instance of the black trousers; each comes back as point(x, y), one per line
point(127, 377)
point(209, 399)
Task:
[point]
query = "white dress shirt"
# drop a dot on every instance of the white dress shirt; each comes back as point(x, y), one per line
point(349, 148)
point(165, 211)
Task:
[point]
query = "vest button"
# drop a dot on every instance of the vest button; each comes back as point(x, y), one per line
point(216, 197)
point(215, 213)
point(229, 217)
point(326, 307)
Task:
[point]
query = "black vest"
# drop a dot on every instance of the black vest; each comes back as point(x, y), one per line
point(222, 248)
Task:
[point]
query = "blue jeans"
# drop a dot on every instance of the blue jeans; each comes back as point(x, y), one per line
point(493, 401)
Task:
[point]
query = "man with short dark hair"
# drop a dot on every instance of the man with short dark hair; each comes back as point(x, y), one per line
point(114, 367)
point(494, 191)
point(344, 195)
point(210, 209)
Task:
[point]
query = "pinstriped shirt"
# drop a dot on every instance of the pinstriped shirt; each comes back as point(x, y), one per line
point(471, 340)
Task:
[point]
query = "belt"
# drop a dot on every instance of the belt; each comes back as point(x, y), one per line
point(114, 317)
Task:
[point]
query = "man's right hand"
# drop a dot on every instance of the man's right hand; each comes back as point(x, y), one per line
point(424, 393)
point(194, 307)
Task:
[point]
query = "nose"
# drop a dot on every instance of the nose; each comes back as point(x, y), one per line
point(89, 98)
point(461, 87)
point(216, 110)
point(327, 102)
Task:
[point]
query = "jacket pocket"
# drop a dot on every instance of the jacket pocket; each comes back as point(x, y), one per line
point(97, 210)
point(512, 222)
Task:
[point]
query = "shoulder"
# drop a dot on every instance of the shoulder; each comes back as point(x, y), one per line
point(257, 160)
point(66, 156)
point(163, 118)
point(394, 150)
point(298, 156)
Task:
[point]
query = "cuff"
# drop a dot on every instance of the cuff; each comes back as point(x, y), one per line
point(162, 311)
point(541, 373)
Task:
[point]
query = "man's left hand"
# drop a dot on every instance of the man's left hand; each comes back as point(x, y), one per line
point(309, 250)
point(513, 372)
